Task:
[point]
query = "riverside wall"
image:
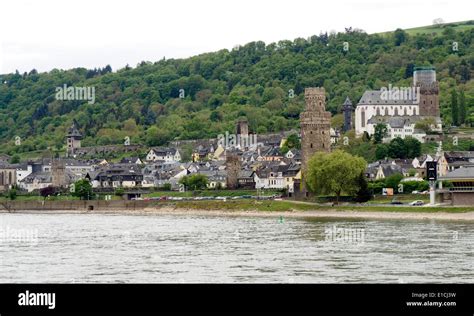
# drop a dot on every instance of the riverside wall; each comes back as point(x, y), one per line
point(74, 205)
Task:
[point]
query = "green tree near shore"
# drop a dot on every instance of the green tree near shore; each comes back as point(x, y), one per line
point(82, 189)
point(334, 173)
point(194, 182)
point(364, 194)
point(12, 194)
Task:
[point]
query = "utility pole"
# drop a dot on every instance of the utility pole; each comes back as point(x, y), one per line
point(432, 176)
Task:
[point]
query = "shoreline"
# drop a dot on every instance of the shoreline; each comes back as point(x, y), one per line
point(343, 214)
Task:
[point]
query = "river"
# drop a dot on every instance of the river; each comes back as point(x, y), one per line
point(84, 248)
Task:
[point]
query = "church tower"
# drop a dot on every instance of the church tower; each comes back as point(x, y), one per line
point(424, 78)
point(347, 110)
point(73, 139)
point(315, 124)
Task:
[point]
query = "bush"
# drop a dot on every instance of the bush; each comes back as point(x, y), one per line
point(12, 194)
point(393, 181)
point(410, 186)
point(166, 187)
point(48, 191)
point(376, 187)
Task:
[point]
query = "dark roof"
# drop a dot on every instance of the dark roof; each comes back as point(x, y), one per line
point(395, 121)
point(459, 174)
point(129, 160)
point(373, 97)
point(73, 131)
point(347, 102)
point(164, 151)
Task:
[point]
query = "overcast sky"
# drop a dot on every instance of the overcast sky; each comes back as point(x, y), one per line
point(47, 34)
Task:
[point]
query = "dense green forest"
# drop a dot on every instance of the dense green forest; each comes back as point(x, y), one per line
point(263, 82)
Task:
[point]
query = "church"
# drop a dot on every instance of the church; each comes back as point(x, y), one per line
point(400, 114)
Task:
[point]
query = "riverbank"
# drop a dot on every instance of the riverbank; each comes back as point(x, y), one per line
point(285, 209)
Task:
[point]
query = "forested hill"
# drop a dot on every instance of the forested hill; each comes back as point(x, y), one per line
point(252, 80)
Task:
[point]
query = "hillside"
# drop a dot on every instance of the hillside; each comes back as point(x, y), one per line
point(254, 80)
point(439, 29)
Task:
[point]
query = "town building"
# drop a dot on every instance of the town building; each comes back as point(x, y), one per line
point(7, 176)
point(163, 154)
point(401, 108)
point(461, 191)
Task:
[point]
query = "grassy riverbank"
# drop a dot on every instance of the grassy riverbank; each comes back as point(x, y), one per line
point(285, 206)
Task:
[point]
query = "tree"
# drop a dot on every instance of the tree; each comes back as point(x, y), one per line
point(454, 108)
point(397, 148)
point(409, 70)
point(156, 136)
point(400, 36)
point(380, 133)
point(425, 124)
point(186, 153)
point(366, 137)
point(216, 116)
point(413, 147)
point(293, 141)
point(82, 189)
point(334, 172)
point(381, 152)
point(48, 191)
point(15, 159)
point(364, 194)
point(12, 194)
point(462, 107)
point(194, 182)
point(393, 180)
point(438, 22)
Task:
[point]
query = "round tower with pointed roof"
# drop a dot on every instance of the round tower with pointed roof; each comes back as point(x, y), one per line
point(347, 110)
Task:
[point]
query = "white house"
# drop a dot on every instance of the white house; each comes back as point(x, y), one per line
point(163, 154)
point(22, 171)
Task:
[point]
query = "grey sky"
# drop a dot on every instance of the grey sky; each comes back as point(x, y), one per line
point(51, 34)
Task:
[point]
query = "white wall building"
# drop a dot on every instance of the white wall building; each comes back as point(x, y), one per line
point(163, 154)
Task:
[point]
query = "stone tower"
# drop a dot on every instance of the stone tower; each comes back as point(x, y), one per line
point(233, 168)
point(315, 124)
point(424, 78)
point(58, 173)
point(242, 127)
point(347, 110)
point(73, 139)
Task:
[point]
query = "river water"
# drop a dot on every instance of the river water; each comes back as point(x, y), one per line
point(82, 248)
